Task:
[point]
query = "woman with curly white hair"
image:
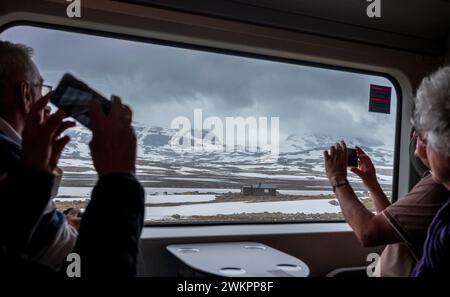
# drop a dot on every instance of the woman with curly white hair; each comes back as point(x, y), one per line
point(431, 118)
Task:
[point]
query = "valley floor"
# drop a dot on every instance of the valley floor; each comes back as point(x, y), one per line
point(208, 206)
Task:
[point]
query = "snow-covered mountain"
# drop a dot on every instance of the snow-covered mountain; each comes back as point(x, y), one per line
point(160, 152)
point(162, 144)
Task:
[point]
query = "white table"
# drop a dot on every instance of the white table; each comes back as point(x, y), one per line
point(239, 259)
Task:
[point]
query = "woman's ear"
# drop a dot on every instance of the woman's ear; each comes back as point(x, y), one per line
point(421, 152)
point(25, 96)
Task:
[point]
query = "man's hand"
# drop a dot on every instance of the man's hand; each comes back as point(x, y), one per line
point(365, 170)
point(42, 145)
point(113, 145)
point(336, 162)
point(73, 218)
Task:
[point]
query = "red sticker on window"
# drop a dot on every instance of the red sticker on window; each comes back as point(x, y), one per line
point(380, 99)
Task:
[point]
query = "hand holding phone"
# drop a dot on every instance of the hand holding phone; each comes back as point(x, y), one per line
point(74, 96)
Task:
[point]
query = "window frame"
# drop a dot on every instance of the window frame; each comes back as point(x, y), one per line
point(244, 54)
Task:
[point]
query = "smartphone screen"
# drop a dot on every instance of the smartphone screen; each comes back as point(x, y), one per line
point(73, 97)
point(352, 158)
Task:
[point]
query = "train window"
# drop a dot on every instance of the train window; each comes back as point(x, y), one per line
point(222, 137)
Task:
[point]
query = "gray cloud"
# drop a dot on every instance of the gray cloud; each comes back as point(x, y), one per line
point(162, 82)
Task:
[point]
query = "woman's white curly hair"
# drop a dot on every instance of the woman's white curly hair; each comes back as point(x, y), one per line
point(431, 115)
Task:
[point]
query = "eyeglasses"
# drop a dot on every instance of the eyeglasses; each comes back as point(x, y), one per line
point(45, 89)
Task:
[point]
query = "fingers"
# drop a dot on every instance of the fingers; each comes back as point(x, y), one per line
point(57, 148)
point(54, 122)
point(344, 150)
point(58, 145)
point(357, 171)
point(128, 114)
point(48, 95)
point(116, 106)
point(338, 153)
point(36, 112)
point(97, 115)
point(359, 151)
point(339, 150)
point(340, 146)
point(64, 126)
point(41, 103)
point(326, 156)
point(363, 158)
point(365, 162)
point(46, 114)
point(333, 152)
point(119, 111)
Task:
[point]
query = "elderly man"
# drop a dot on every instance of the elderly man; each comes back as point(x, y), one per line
point(107, 248)
point(432, 119)
point(34, 238)
point(21, 86)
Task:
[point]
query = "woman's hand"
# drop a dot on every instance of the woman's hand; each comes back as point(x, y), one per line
point(365, 170)
point(73, 218)
point(336, 162)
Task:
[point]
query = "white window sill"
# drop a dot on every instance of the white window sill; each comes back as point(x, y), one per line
point(241, 230)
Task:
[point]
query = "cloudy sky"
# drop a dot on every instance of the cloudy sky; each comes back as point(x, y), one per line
point(162, 82)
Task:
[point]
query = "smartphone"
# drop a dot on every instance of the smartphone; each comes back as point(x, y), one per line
point(74, 96)
point(352, 158)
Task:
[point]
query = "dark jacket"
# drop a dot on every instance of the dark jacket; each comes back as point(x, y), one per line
point(50, 222)
point(111, 227)
point(24, 195)
point(109, 232)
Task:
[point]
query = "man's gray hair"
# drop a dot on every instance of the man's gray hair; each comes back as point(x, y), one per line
point(431, 115)
point(15, 64)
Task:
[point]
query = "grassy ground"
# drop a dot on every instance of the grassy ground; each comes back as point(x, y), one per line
point(256, 217)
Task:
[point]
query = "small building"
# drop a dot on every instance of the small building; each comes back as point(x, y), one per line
point(259, 190)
